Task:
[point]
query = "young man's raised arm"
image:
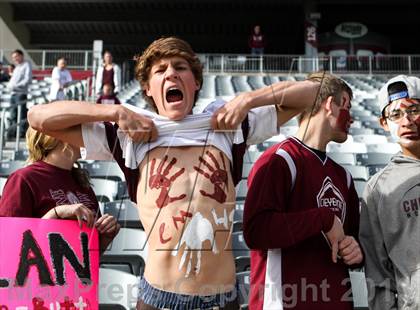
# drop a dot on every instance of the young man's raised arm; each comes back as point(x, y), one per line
point(289, 97)
point(62, 120)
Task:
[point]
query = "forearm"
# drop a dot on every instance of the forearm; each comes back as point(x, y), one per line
point(287, 95)
point(51, 214)
point(104, 242)
point(62, 115)
point(271, 229)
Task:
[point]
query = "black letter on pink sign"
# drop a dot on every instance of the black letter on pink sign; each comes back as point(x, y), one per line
point(60, 248)
point(31, 254)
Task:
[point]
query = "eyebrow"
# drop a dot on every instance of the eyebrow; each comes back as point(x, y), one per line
point(181, 62)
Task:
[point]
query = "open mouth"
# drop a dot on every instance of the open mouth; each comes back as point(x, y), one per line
point(410, 135)
point(174, 95)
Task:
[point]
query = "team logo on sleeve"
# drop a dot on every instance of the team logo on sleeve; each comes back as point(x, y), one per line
point(411, 202)
point(330, 197)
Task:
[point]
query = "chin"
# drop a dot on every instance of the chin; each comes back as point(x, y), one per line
point(410, 143)
point(177, 115)
point(341, 139)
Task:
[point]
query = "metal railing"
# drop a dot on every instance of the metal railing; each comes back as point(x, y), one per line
point(296, 64)
point(47, 59)
point(237, 63)
point(76, 90)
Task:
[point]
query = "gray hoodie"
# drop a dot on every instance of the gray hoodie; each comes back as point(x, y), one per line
point(390, 235)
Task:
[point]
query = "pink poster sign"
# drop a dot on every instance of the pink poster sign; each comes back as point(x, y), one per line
point(48, 265)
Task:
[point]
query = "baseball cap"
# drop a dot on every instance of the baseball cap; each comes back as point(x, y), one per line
point(401, 86)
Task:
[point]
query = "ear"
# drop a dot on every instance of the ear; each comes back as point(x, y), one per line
point(328, 104)
point(147, 90)
point(384, 124)
point(197, 85)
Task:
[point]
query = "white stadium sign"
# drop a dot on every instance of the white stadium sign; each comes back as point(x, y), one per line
point(351, 30)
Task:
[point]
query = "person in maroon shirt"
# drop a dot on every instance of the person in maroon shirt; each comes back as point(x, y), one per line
point(256, 41)
point(108, 96)
point(51, 187)
point(302, 211)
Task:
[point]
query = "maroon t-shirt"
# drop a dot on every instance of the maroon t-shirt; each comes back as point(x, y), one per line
point(34, 190)
point(108, 77)
point(292, 198)
point(108, 99)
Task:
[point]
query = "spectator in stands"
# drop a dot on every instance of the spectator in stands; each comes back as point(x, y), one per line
point(60, 78)
point(108, 73)
point(19, 86)
point(184, 181)
point(256, 41)
point(389, 220)
point(108, 96)
point(4, 75)
point(302, 210)
point(54, 186)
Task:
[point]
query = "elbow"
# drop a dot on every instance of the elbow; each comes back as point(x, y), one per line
point(35, 118)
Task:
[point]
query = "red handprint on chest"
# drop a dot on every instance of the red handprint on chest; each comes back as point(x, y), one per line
point(217, 176)
point(160, 180)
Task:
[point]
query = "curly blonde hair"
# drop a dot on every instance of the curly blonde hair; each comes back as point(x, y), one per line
point(165, 48)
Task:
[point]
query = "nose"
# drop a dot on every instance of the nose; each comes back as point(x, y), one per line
point(171, 73)
point(406, 119)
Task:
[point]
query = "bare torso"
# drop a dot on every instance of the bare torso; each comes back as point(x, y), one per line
point(186, 200)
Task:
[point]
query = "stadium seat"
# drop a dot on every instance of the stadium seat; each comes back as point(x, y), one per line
point(242, 263)
point(373, 169)
point(237, 226)
point(370, 139)
point(244, 283)
point(358, 172)
point(251, 156)
point(389, 148)
point(354, 147)
point(238, 215)
point(246, 169)
point(288, 130)
point(339, 57)
point(21, 155)
point(8, 167)
point(128, 251)
point(291, 122)
point(373, 159)
point(239, 246)
point(104, 170)
point(2, 183)
point(343, 158)
point(125, 211)
point(105, 190)
point(272, 141)
point(360, 187)
point(117, 289)
point(372, 124)
point(241, 190)
point(361, 131)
